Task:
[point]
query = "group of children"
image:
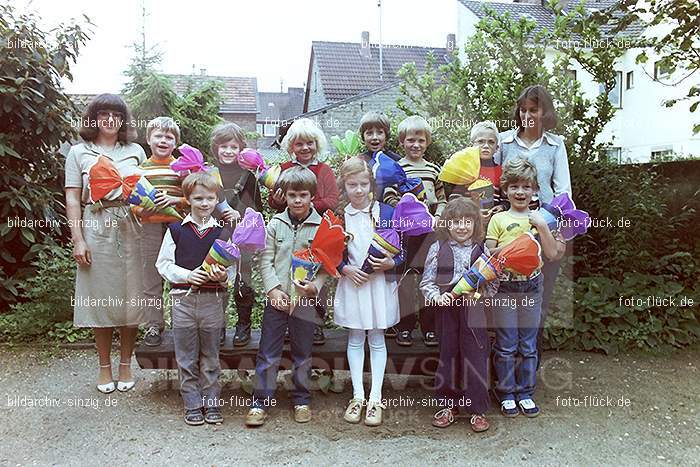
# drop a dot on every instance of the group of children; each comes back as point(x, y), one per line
point(371, 305)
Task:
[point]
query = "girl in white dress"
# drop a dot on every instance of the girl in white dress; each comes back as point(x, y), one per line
point(364, 303)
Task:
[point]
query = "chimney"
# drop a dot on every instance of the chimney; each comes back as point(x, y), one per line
point(364, 46)
point(203, 72)
point(451, 43)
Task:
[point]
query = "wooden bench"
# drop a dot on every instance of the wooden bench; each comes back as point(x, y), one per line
point(414, 360)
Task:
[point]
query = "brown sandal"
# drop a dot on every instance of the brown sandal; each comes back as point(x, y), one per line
point(444, 418)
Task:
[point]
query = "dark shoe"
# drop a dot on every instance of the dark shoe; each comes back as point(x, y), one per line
point(194, 417)
point(213, 416)
point(430, 339)
point(509, 409)
point(152, 338)
point(222, 336)
point(529, 408)
point(404, 338)
point(286, 335)
point(391, 332)
point(242, 336)
point(319, 338)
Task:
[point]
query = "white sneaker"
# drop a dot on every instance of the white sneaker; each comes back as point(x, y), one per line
point(508, 408)
point(353, 414)
point(373, 415)
point(529, 408)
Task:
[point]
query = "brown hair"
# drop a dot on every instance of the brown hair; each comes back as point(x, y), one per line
point(539, 95)
point(460, 208)
point(204, 179)
point(297, 178)
point(90, 127)
point(518, 169)
point(375, 120)
point(223, 133)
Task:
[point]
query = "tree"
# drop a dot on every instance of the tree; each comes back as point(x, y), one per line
point(151, 94)
point(678, 48)
point(36, 116)
point(503, 57)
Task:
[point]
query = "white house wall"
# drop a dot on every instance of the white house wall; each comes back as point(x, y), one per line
point(643, 124)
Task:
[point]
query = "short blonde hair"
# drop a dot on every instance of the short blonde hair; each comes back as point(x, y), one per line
point(415, 124)
point(518, 169)
point(204, 179)
point(297, 178)
point(163, 124)
point(223, 133)
point(307, 129)
point(483, 126)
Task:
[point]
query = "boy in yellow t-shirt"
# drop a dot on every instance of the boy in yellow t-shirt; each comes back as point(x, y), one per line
point(517, 306)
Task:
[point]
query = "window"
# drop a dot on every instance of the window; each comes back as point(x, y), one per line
point(259, 128)
point(630, 79)
point(270, 129)
point(661, 70)
point(315, 81)
point(571, 74)
point(614, 154)
point(658, 154)
point(615, 95)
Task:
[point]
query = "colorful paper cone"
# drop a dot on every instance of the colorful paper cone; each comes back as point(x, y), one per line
point(144, 195)
point(269, 176)
point(522, 255)
point(482, 191)
point(462, 168)
point(483, 270)
point(385, 243)
point(412, 217)
point(251, 159)
point(105, 180)
point(349, 145)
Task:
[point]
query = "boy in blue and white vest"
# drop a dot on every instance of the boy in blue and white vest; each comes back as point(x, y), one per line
point(197, 298)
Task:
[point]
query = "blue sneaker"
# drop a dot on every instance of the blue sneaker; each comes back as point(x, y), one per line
point(509, 409)
point(529, 408)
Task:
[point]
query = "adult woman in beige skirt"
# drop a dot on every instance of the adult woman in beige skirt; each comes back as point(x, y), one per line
point(108, 286)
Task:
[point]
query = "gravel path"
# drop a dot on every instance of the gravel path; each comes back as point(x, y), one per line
point(653, 419)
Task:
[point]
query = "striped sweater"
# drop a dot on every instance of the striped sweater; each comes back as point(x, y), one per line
point(164, 179)
point(434, 190)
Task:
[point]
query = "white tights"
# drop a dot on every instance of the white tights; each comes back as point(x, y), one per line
point(356, 361)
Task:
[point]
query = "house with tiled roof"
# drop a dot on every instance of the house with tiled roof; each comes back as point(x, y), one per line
point(276, 109)
point(239, 96)
point(347, 79)
point(643, 128)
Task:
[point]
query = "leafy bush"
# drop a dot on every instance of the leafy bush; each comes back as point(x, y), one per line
point(47, 309)
point(655, 256)
point(36, 116)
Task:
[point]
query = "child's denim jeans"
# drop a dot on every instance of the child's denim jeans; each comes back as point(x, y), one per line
point(301, 326)
point(517, 312)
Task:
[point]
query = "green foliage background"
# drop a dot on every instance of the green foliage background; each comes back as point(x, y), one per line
point(656, 256)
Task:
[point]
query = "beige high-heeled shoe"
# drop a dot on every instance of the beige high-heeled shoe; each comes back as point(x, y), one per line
point(124, 386)
point(106, 388)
